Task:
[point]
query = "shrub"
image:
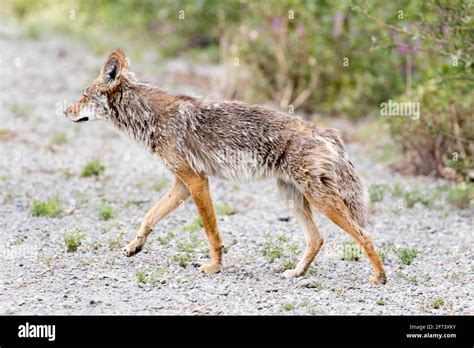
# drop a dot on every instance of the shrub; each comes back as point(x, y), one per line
point(438, 143)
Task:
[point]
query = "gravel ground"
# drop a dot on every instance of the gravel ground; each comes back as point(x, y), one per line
point(42, 156)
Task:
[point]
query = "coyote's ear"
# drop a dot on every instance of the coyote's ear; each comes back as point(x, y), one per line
point(110, 74)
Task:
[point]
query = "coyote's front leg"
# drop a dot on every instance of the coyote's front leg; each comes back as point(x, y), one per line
point(199, 187)
point(165, 205)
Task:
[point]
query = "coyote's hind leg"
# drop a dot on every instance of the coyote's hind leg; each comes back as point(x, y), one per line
point(335, 209)
point(301, 209)
point(165, 205)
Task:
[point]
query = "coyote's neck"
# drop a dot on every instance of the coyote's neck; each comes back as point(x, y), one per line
point(138, 110)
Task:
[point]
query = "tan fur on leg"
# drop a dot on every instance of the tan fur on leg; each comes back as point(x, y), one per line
point(165, 205)
point(300, 208)
point(199, 188)
point(340, 215)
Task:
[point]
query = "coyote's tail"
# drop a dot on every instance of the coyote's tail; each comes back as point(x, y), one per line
point(349, 184)
point(353, 192)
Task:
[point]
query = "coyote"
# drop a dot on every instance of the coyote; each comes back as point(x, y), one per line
point(231, 140)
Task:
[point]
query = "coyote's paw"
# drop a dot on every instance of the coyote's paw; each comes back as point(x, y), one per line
point(134, 247)
point(292, 273)
point(378, 279)
point(210, 268)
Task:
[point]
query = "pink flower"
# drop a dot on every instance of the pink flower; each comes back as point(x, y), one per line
point(300, 30)
point(338, 22)
point(275, 24)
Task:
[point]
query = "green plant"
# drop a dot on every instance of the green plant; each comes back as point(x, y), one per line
point(159, 185)
point(377, 192)
point(93, 168)
point(223, 208)
point(416, 196)
point(438, 140)
point(461, 196)
point(437, 303)
point(19, 240)
point(67, 173)
point(133, 202)
point(162, 240)
point(383, 253)
point(397, 190)
point(380, 302)
point(407, 255)
point(351, 251)
point(318, 285)
point(195, 225)
point(288, 306)
point(288, 264)
point(117, 242)
point(21, 110)
point(105, 212)
point(6, 134)
point(73, 240)
point(191, 244)
point(271, 249)
point(49, 208)
point(182, 259)
point(141, 277)
point(152, 278)
point(59, 139)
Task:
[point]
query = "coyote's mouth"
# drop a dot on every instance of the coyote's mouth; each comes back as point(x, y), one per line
point(82, 119)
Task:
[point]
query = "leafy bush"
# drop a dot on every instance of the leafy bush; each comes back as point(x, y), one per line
point(438, 143)
point(313, 56)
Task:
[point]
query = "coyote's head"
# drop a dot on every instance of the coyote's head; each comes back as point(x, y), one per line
point(94, 103)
